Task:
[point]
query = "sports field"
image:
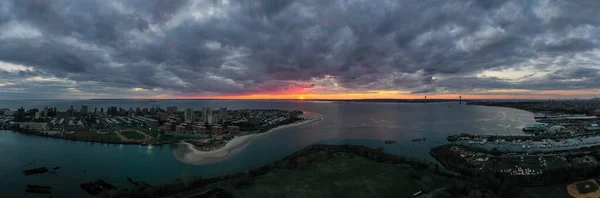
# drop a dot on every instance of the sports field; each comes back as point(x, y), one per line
point(93, 136)
point(587, 188)
point(132, 135)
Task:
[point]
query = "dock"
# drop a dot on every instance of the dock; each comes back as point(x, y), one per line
point(138, 183)
point(96, 187)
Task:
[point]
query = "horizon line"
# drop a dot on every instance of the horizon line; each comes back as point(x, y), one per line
point(311, 99)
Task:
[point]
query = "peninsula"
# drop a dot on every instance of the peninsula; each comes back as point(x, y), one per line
point(193, 152)
point(207, 132)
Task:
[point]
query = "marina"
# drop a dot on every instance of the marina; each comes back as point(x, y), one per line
point(550, 132)
point(545, 155)
point(529, 144)
point(96, 187)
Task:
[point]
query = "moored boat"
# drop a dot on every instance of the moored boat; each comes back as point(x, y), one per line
point(35, 171)
point(39, 189)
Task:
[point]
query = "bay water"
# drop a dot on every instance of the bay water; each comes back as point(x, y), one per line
point(362, 123)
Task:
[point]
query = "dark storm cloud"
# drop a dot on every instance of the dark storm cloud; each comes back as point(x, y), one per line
point(562, 79)
point(5, 75)
point(190, 47)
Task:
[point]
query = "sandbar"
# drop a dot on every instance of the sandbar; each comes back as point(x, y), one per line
point(188, 154)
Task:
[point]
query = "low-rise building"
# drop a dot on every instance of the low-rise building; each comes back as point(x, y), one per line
point(5, 112)
point(33, 125)
point(199, 129)
point(180, 128)
point(233, 129)
point(168, 126)
point(217, 129)
point(596, 112)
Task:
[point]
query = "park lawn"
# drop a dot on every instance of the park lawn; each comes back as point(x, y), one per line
point(133, 135)
point(153, 133)
point(348, 176)
point(93, 136)
point(558, 190)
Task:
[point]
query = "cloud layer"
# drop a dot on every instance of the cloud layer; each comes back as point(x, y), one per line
point(186, 48)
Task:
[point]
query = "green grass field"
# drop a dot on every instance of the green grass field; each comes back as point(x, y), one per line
point(153, 132)
point(586, 187)
point(91, 135)
point(132, 135)
point(349, 176)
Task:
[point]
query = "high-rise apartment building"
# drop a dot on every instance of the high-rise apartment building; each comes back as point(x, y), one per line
point(84, 110)
point(223, 114)
point(189, 115)
point(207, 115)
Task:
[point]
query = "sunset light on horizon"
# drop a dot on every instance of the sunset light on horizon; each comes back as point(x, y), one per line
point(492, 94)
point(298, 49)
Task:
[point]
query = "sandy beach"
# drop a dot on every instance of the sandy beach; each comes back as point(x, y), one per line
point(188, 154)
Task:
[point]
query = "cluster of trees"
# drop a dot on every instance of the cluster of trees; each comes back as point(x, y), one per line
point(496, 183)
point(465, 189)
point(169, 189)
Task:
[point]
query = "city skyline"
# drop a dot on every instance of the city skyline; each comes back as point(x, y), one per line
point(299, 49)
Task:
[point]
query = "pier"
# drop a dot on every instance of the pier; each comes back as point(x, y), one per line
point(138, 183)
point(96, 187)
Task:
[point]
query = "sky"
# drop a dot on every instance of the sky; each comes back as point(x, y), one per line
point(299, 49)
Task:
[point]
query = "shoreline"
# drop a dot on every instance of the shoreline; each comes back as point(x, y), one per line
point(41, 134)
point(190, 155)
point(312, 117)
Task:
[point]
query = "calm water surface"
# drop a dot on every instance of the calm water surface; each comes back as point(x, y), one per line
point(366, 124)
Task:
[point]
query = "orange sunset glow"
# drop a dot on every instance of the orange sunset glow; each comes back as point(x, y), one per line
point(299, 50)
point(492, 94)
